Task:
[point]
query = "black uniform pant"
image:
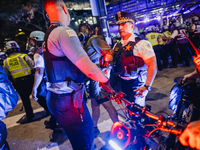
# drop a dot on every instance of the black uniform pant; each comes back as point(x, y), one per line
point(157, 51)
point(166, 48)
point(174, 54)
point(24, 88)
point(184, 53)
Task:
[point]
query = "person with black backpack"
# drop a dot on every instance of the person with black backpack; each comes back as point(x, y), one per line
point(100, 53)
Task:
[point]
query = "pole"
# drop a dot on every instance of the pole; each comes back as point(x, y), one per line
point(99, 9)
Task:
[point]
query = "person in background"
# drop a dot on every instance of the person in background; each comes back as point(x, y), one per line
point(179, 43)
point(195, 31)
point(191, 134)
point(8, 101)
point(100, 54)
point(39, 90)
point(167, 44)
point(134, 62)
point(65, 63)
point(153, 37)
point(19, 67)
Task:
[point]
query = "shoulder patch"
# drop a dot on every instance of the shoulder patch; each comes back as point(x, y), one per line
point(147, 45)
point(71, 33)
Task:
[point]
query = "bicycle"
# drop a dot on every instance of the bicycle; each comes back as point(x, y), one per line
point(141, 128)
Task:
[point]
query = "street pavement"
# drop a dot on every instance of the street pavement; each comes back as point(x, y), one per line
point(34, 135)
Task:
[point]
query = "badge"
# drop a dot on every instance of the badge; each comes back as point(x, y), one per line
point(147, 46)
point(71, 33)
point(116, 49)
point(128, 47)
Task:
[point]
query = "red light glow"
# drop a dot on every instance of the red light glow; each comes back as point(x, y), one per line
point(120, 135)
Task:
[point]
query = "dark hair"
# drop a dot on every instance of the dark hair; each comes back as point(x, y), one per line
point(12, 50)
point(90, 28)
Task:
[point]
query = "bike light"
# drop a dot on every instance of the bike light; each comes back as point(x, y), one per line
point(120, 134)
point(114, 145)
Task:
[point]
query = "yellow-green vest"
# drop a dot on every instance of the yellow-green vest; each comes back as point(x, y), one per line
point(161, 41)
point(167, 34)
point(17, 66)
point(152, 38)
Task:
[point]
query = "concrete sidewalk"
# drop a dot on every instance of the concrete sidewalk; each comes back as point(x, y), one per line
point(34, 135)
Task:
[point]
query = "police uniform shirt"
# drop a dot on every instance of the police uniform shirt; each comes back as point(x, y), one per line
point(38, 61)
point(174, 34)
point(63, 41)
point(193, 27)
point(142, 49)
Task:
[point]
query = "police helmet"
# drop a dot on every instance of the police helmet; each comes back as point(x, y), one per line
point(165, 28)
point(37, 36)
point(195, 19)
point(156, 29)
point(151, 28)
point(183, 26)
point(11, 47)
point(177, 24)
point(173, 20)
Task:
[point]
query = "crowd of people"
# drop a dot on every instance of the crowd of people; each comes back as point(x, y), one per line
point(65, 68)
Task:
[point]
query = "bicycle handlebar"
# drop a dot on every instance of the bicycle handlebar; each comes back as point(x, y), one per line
point(162, 122)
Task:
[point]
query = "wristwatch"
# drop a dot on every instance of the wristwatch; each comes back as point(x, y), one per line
point(148, 87)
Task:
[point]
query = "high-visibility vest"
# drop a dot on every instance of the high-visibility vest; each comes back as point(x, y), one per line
point(167, 34)
point(161, 41)
point(152, 38)
point(17, 66)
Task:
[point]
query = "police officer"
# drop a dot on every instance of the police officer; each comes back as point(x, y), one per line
point(100, 54)
point(153, 38)
point(167, 45)
point(134, 62)
point(65, 61)
point(179, 42)
point(20, 67)
point(195, 30)
point(39, 90)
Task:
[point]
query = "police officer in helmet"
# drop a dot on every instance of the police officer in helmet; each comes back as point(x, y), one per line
point(20, 67)
point(39, 90)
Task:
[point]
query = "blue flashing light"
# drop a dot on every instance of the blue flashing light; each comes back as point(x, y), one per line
point(114, 145)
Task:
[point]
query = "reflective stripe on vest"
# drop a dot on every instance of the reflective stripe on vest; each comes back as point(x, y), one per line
point(17, 66)
point(152, 38)
point(161, 41)
point(167, 34)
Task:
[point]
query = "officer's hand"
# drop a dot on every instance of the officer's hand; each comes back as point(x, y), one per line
point(162, 36)
point(34, 94)
point(141, 91)
point(191, 135)
point(185, 77)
